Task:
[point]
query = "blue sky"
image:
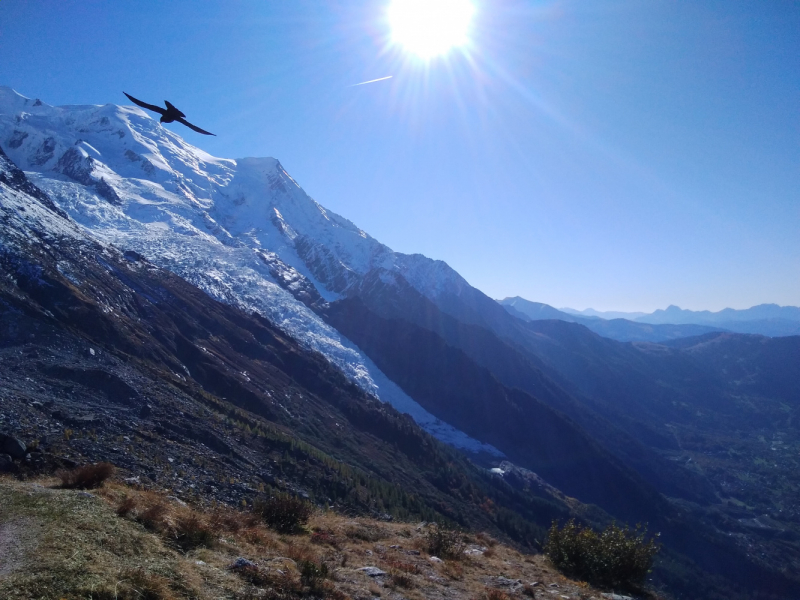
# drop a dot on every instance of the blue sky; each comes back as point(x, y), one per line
point(621, 155)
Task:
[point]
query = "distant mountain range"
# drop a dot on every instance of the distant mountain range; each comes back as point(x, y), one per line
point(607, 314)
point(672, 323)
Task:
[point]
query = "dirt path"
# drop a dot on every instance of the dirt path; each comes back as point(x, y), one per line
point(17, 538)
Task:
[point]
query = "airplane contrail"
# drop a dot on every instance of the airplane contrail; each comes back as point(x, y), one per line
point(371, 81)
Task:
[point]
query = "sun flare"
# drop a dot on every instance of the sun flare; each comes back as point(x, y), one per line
point(429, 28)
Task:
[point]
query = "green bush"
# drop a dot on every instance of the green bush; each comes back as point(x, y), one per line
point(444, 543)
point(613, 558)
point(283, 512)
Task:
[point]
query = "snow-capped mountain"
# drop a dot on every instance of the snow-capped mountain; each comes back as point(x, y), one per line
point(241, 230)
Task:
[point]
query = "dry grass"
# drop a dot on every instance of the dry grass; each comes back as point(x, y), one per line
point(87, 477)
point(494, 594)
point(138, 584)
point(74, 547)
point(131, 544)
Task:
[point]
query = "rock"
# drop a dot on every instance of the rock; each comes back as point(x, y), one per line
point(372, 571)
point(506, 582)
point(611, 596)
point(413, 552)
point(145, 411)
point(241, 563)
point(6, 464)
point(553, 585)
point(435, 559)
point(13, 447)
point(511, 585)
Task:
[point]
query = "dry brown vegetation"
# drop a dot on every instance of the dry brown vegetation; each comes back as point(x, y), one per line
point(123, 543)
point(283, 512)
point(87, 477)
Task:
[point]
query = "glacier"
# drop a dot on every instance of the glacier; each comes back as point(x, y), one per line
point(241, 230)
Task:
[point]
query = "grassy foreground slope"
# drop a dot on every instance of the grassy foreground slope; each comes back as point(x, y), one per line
point(122, 542)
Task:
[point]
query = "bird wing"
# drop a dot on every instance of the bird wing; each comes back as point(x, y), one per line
point(171, 106)
point(152, 107)
point(195, 127)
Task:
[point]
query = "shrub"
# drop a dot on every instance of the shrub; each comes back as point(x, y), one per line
point(613, 558)
point(311, 572)
point(154, 516)
point(86, 477)
point(401, 579)
point(125, 507)
point(232, 520)
point(400, 565)
point(324, 537)
point(284, 513)
point(444, 542)
point(300, 552)
point(278, 585)
point(192, 531)
point(366, 533)
point(180, 525)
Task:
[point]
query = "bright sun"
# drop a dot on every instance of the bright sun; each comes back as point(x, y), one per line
point(430, 27)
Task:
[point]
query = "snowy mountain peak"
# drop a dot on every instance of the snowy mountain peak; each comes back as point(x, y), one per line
point(242, 230)
point(131, 160)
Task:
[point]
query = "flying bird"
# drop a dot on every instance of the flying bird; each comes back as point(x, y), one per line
point(169, 114)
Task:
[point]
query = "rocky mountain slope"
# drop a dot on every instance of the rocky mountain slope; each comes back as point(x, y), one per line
point(242, 231)
point(108, 357)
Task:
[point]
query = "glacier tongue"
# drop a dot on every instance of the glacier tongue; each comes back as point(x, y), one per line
point(220, 224)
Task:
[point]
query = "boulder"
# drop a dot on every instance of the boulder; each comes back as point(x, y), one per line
point(241, 563)
point(13, 447)
point(6, 464)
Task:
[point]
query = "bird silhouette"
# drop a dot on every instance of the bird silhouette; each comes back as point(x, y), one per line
point(169, 114)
